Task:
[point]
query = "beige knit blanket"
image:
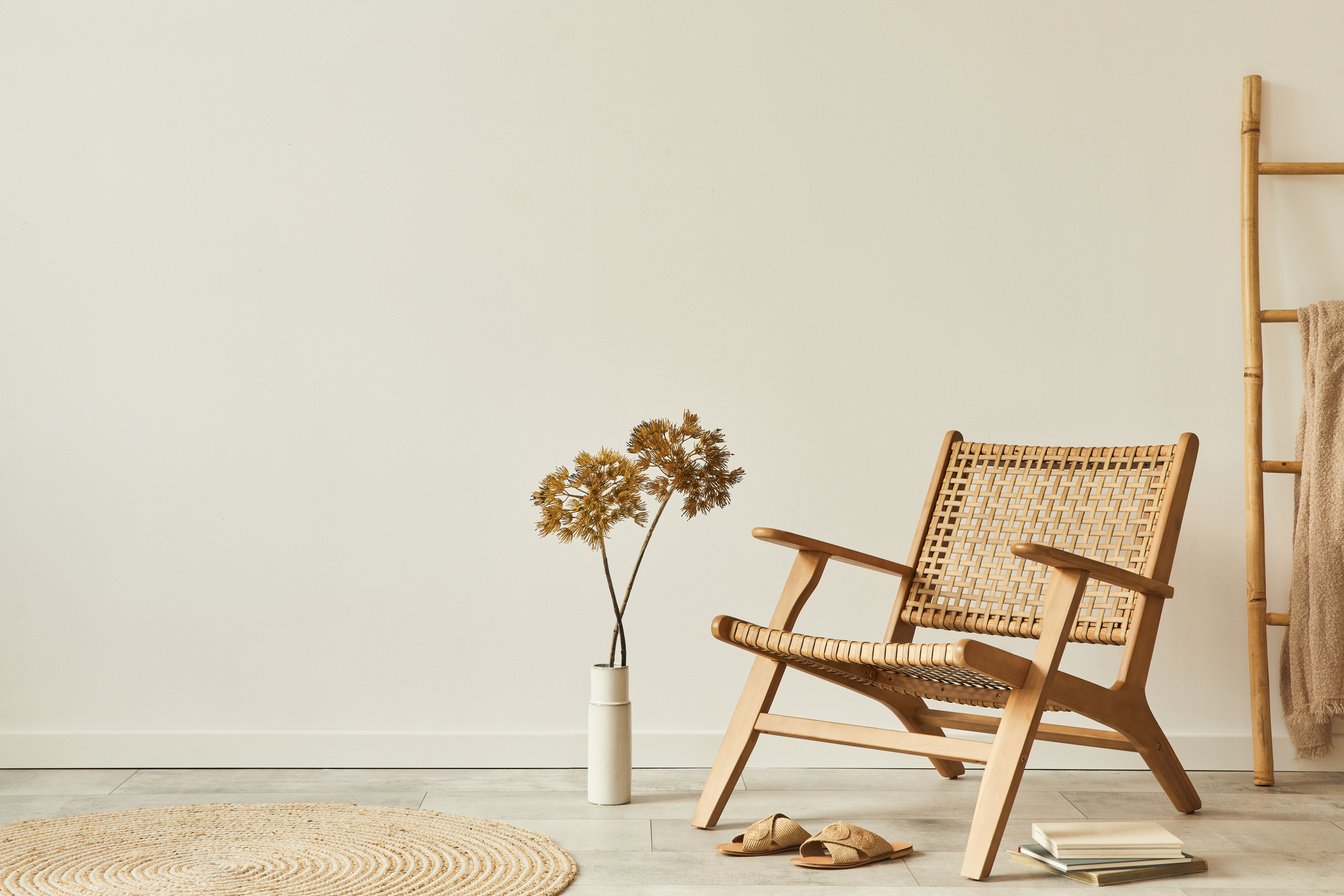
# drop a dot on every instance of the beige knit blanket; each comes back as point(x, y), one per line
point(1311, 678)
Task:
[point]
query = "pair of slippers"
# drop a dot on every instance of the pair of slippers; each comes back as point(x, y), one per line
point(838, 845)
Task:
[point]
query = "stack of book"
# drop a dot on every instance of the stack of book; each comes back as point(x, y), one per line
point(1107, 852)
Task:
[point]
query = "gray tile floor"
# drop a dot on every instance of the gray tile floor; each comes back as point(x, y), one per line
point(1287, 840)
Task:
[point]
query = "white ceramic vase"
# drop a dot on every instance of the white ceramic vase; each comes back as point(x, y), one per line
point(609, 736)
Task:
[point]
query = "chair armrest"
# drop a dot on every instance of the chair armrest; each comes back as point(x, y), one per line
point(1104, 571)
point(844, 555)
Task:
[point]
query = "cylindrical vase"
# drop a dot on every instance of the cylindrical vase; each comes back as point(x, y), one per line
point(609, 736)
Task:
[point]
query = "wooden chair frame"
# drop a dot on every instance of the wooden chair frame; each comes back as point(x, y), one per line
point(1034, 684)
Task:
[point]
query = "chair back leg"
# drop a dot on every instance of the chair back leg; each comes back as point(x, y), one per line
point(1147, 736)
point(907, 709)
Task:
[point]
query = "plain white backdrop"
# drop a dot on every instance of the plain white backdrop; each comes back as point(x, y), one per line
point(298, 302)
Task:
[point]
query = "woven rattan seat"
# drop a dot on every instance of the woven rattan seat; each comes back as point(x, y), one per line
point(1056, 544)
point(932, 671)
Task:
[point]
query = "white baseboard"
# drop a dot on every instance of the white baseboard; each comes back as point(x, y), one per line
point(491, 749)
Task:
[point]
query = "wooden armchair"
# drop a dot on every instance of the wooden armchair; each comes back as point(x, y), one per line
point(1055, 544)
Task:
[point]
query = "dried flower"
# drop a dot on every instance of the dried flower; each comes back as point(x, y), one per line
point(602, 490)
point(691, 460)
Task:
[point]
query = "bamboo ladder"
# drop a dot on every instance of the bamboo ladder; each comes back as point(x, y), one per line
point(1253, 318)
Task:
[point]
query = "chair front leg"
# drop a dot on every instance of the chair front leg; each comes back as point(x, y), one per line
point(762, 682)
point(1021, 718)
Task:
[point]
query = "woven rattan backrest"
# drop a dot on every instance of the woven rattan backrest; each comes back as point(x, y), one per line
point(1103, 503)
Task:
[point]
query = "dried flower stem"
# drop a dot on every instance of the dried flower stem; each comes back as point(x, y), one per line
point(615, 607)
point(619, 628)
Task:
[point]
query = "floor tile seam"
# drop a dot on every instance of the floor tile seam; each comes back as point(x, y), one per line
point(919, 856)
point(911, 871)
point(134, 772)
point(408, 786)
point(216, 796)
point(1065, 798)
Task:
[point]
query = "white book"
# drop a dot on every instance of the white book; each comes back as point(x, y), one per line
point(1092, 863)
point(1107, 839)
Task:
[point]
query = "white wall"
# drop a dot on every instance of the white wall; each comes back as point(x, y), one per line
point(299, 301)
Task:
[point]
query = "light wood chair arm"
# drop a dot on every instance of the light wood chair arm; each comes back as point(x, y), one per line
point(844, 555)
point(1104, 571)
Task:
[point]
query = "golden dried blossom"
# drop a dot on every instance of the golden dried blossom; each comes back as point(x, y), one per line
point(689, 459)
point(585, 503)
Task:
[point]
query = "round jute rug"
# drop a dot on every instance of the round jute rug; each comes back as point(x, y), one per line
point(282, 849)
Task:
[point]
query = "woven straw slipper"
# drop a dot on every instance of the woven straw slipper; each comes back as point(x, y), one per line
point(767, 837)
point(843, 845)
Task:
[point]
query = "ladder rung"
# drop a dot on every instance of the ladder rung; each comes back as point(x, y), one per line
point(1279, 316)
point(1276, 619)
point(1281, 466)
point(1302, 167)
